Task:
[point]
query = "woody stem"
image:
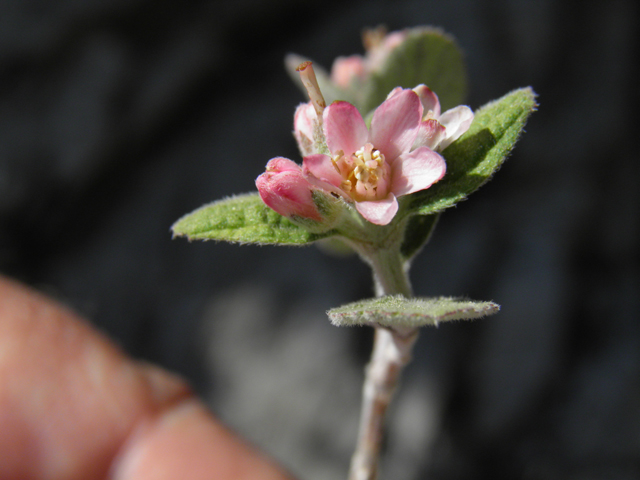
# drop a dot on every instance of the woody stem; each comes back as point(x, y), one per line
point(391, 352)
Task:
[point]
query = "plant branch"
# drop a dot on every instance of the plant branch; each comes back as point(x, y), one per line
point(391, 352)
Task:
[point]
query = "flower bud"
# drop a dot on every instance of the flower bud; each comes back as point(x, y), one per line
point(345, 69)
point(284, 189)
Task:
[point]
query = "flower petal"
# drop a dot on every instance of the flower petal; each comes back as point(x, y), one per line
point(430, 134)
point(417, 170)
point(321, 167)
point(394, 92)
point(380, 212)
point(429, 100)
point(395, 123)
point(344, 128)
point(303, 125)
point(456, 121)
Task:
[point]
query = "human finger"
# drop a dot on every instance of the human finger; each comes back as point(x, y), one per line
point(73, 406)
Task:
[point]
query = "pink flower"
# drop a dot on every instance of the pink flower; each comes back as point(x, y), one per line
point(372, 167)
point(368, 167)
point(286, 190)
point(438, 131)
point(378, 45)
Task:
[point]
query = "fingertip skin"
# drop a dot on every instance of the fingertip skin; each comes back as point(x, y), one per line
point(189, 440)
point(68, 396)
point(73, 406)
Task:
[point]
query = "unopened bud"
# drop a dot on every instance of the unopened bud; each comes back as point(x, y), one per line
point(284, 189)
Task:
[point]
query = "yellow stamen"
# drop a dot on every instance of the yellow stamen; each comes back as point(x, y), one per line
point(364, 172)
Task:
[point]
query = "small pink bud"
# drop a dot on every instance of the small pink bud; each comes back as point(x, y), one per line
point(284, 189)
point(378, 45)
point(345, 69)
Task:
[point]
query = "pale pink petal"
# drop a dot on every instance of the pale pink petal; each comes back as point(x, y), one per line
point(429, 100)
point(303, 125)
point(380, 212)
point(456, 121)
point(345, 69)
point(430, 134)
point(417, 170)
point(395, 123)
point(321, 167)
point(344, 128)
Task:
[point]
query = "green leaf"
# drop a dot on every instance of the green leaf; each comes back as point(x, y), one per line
point(418, 232)
point(243, 219)
point(398, 311)
point(427, 56)
point(478, 154)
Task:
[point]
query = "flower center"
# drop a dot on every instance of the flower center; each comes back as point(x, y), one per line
point(365, 173)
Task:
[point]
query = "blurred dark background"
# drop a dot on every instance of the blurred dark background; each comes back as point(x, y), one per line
point(118, 117)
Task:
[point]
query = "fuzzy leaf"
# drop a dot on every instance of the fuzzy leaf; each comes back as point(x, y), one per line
point(478, 154)
point(398, 311)
point(243, 219)
point(427, 56)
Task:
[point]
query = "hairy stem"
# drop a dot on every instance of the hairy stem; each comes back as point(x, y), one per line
point(391, 352)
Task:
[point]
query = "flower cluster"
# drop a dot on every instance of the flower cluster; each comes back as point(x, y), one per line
point(368, 167)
